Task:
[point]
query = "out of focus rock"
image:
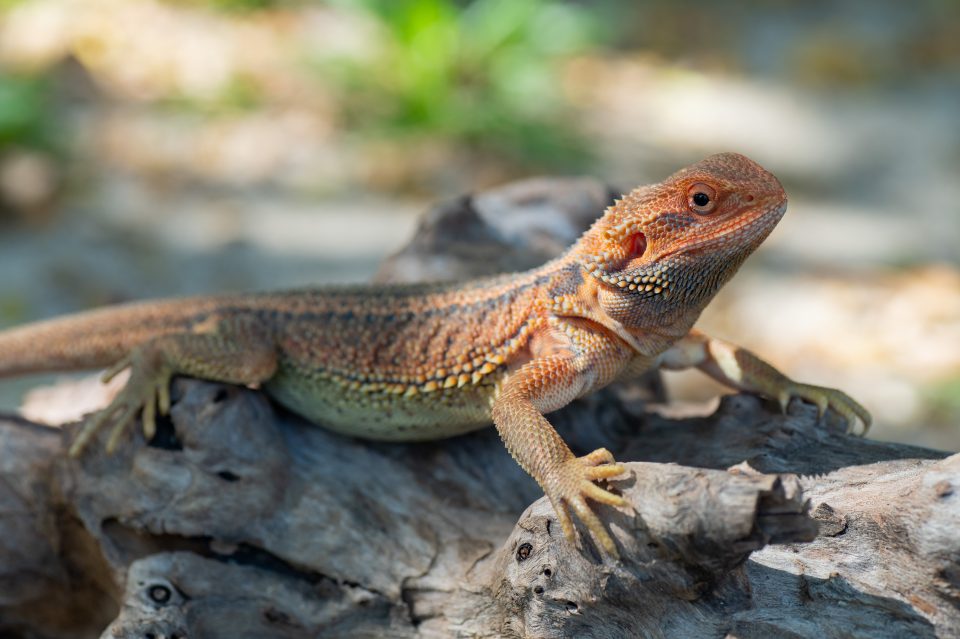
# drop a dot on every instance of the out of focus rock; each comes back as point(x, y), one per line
point(29, 183)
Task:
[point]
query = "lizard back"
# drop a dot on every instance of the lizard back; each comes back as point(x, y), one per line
point(399, 363)
point(407, 362)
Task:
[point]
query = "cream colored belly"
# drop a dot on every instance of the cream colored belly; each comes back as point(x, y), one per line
point(384, 416)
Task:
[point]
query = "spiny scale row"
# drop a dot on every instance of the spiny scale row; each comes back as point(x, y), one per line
point(411, 390)
point(457, 376)
point(622, 230)
point(656, 282)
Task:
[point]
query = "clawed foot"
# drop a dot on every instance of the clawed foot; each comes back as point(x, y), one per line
point(570, 485)
point(147, 390)
point(824, 398)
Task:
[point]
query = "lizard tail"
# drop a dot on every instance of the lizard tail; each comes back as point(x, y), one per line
point(93, 339)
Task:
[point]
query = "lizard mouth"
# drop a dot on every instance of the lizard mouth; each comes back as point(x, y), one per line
point(660, 278)
point(759, 227)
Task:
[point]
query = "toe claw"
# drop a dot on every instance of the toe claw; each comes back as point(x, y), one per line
point(595, 526)
point(784, 400)
point(606, 471)
point(114, 370)
point(119, 426)
point(89, 429)
point(597, 457)
point(602, 496)
point(114, 439)
point(149, 419)
point(566, 524)
point(80, 442)
point(822, 405)
point(850, 420)
point(163, 397)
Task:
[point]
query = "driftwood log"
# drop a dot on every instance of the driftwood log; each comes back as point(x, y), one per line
point(241, 520)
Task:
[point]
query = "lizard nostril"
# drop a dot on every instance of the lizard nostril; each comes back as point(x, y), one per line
point(750, 197)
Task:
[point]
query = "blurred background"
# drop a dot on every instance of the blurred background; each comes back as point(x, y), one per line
point(153, 148)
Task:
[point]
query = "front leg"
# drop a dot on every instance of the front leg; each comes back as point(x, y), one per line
point(237, 350)
point(545, 384)
point(739, 368)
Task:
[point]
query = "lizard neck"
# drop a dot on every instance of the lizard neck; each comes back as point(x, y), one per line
point(649, 329)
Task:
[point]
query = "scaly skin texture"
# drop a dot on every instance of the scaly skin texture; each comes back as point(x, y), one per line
point(425, 362)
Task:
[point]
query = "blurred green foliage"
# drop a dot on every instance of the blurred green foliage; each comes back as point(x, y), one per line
point(483, 74)
point(943, 398)
point(240, 5)
point(26, 116)
point(240, 95)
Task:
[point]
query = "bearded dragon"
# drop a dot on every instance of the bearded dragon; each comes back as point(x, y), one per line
point(423, 362)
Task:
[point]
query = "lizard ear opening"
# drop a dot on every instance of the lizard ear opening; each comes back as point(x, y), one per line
point(636, 245)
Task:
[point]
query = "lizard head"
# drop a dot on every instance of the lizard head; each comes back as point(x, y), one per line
point(671, 246)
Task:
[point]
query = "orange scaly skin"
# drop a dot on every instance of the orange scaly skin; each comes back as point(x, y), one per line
point(431, 361)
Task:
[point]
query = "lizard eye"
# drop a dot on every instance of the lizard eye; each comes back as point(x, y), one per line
point(701, 198)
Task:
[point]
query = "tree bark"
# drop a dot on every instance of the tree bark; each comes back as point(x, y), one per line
point(242, 520)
